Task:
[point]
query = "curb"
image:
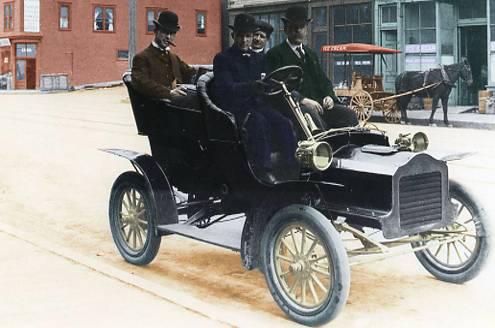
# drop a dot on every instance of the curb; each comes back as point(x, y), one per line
point(439, 123)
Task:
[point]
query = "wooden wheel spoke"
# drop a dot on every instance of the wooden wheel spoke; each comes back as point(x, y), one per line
point(293, 287)
point(318, 282)
point(303, 291)
point(284, 258)
point(316, 269)
point(288, 248)
point(294, 241)
point(303, 240)
point(313, 292)
point(466, 247)
point(438, 249)
point(457, 252)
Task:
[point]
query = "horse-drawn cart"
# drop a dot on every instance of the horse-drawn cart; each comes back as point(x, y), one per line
point(366, 92)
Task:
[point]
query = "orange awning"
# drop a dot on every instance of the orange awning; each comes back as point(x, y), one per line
point(357, 48)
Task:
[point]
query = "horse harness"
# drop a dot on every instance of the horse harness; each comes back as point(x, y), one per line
point(445, 79)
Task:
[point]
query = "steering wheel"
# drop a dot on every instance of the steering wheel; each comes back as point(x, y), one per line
point(291, 76)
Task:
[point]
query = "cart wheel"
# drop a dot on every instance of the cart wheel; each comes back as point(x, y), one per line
point(132, 219)
point(362, 104)
point(391, 112)
point(305, 265)
point(461, 260)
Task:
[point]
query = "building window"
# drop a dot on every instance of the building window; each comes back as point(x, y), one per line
point(389, 14)
point(122, 54)
point(352, 23)
point(64, 16)
point(420, 36)
point(27, 50)
point(8, 16)
point(103, 19)
point(201, 23)
point(472, 9)
point(420, 24)
point(152, 14)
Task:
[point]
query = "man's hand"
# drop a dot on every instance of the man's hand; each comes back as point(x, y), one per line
point(328, 103)
point(311, 104)
point(178, 92)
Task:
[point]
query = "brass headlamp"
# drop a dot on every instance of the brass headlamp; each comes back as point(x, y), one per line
point(314, 155)
point(418, 142)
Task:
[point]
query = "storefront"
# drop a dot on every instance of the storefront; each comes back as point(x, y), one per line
point(434, 33)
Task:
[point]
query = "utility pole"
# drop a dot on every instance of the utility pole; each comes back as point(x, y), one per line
point(132, 30)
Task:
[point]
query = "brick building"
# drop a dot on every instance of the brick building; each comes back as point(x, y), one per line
point(61, 43)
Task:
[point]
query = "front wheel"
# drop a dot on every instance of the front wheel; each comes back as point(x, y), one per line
point(463, 258)
point(132, 219)
point(305, 265)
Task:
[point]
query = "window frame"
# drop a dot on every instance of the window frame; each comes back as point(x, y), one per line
point(8, 27)
point(104, 7)
point(122, 58)
point(205, 13)
point(156, 12)
point(69, 15)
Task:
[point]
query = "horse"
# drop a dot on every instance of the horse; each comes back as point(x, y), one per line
point(443, 80)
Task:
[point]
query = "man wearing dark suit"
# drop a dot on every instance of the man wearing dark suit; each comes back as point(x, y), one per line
point(317, 95)
point(234, 89)
point(156, 71)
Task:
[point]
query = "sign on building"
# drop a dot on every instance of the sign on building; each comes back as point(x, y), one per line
point(31, 15)
point(5, 42)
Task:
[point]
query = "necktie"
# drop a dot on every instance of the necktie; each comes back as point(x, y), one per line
point(300, 52)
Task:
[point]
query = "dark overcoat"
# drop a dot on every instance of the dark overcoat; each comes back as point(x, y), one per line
point(155, 72)
point(235, 72)
point(316, 84)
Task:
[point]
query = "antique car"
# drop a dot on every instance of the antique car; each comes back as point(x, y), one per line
point(352, 182)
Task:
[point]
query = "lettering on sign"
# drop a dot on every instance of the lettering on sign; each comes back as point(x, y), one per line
point(333, 48)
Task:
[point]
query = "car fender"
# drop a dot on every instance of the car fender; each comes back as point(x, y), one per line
point(156, 182)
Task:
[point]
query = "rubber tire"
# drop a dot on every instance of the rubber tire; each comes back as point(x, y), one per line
point(475, 264)
point(321, 226)
point(151, 246)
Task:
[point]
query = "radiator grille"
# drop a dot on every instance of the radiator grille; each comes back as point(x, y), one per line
point(420, 199)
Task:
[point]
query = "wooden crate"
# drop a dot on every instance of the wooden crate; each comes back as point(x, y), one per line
point(483, 96)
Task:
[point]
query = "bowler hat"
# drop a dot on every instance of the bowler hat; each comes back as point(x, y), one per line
point(297, 15)
point(265, 27)
point(243, 23)
point(168, 21)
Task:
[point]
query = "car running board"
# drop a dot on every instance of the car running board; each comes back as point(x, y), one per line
point(223, 235)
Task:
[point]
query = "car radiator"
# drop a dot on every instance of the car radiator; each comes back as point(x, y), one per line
point(420, 200)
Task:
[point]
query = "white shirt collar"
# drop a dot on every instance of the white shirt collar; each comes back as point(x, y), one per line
point(258, 50)
point(294, 46)
point(154, 44)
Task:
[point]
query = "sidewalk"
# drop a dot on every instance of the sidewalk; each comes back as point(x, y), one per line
point(41, 289)
point(459, 116)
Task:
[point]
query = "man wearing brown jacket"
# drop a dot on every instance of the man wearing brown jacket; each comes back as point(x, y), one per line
point(156, 71)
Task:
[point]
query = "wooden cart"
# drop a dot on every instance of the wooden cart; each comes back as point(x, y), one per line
point(366, 93)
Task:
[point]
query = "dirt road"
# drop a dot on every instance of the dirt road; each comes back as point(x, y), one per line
point(54, 184)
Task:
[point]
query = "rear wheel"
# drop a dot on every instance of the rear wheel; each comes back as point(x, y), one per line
point(305, 265)
point(132, 219)
point(460, 260)
point(391, 112)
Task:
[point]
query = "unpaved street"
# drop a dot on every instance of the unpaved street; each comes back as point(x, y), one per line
point(55, 184)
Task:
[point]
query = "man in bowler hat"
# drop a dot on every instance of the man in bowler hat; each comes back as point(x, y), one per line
point(156, 71)
point(261, 36)
point(316, 92)
point(234, 89)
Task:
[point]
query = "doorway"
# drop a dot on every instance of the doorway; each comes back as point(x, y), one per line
point(473, 46)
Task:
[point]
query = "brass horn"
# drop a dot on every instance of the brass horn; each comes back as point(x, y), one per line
point(311, 124)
